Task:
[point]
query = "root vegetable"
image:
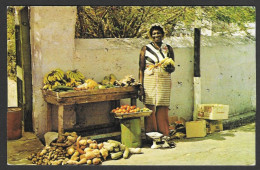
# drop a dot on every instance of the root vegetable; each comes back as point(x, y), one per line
point(83, 142)
point(72, 139)
point(89, 141)
point(126, 153)
point(96, 161)
point(122, 147)
point(96, 152)
point(90, 155)
point(72, 162)
point(135, 150)
point(100, 145)
point(89, 162)
point(82, 161)
point(78, 149)
point(108, 146)
point(75, 156)
point(116, 149)
point(116, 155)
point(87, 150)
point(104, 153)
point(114, 141)
point(93, 145)
point(43, 152)
point(71, 151)
point(83, 147)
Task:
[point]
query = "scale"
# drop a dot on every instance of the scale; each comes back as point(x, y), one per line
point(160, 141)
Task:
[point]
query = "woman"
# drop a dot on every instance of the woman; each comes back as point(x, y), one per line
point(156, 83)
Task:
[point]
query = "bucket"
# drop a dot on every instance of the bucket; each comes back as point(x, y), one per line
point(14, 123)
point(131, 132)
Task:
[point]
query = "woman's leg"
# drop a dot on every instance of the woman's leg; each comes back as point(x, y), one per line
point(150, 121)
point(162, 120)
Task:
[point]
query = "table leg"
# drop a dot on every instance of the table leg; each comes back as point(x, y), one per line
point(49, 122)
point(133, 101)
point(60, 119)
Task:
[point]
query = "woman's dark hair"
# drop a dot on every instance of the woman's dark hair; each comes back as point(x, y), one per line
point(156, 28)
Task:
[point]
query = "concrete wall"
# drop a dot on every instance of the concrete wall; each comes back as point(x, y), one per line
point(52, 45)
point(228, 73)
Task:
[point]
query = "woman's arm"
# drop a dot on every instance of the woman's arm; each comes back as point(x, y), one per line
point(141, 72)
point(171, 55)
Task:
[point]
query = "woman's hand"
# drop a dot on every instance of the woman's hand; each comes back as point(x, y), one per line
point(141, 93)
point(170, 68)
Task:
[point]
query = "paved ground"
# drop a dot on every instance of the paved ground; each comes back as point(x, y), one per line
point(229, 147)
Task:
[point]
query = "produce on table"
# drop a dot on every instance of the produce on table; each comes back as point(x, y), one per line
point(88, 85)
point(57, 80)
point(109, 80)
point(129, 80)
point(75, 74)
point(71, 149)
point(129, 109)
point(54, 78)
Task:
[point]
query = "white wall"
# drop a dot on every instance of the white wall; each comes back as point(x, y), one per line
point(53, 46)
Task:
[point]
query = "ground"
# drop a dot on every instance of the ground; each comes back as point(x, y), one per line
point(229, 147)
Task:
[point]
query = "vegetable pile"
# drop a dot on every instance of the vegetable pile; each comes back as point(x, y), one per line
point(71, 149)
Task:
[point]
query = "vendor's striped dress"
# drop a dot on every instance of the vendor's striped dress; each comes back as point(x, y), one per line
point(157, 82)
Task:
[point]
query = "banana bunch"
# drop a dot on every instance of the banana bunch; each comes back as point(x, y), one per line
point(54, 78)
point(167, 64)
point(75, 74)
point(73, 83)
point(109, 80)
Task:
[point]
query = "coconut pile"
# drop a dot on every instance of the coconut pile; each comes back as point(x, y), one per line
point(71, 149)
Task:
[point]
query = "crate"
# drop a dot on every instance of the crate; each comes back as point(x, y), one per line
point(214, 126)
point(213, 111)
point(196, 129)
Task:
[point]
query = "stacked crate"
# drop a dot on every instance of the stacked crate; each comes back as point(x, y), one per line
point(213, 114)
point(210, 118)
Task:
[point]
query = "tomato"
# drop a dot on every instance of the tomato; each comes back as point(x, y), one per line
point(132, 107)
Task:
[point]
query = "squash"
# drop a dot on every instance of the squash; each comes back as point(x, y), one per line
point(116, 155)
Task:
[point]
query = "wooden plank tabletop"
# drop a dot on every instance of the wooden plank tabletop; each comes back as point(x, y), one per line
point(88, 96)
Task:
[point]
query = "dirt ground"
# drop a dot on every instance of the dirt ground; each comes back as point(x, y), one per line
point(229, 147)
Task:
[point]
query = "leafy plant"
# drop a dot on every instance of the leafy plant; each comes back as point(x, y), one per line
point(11, 51)
point(134, 21)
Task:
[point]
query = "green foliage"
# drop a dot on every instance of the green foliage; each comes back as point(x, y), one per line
point(134, 21)
point(11, 52)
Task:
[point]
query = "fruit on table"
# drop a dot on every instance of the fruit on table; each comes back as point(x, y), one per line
point(127, 109)
point(54, 78)
point(88, 85)
point(75, 74)
point(109, 80)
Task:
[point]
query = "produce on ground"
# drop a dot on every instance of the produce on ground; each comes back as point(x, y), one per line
point(129, 109)
point(71, 149)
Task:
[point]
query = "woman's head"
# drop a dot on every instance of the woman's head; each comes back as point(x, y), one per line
point(156, 33)
point(156, 27)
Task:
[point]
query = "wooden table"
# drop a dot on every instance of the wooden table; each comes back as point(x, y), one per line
point(85, 96)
